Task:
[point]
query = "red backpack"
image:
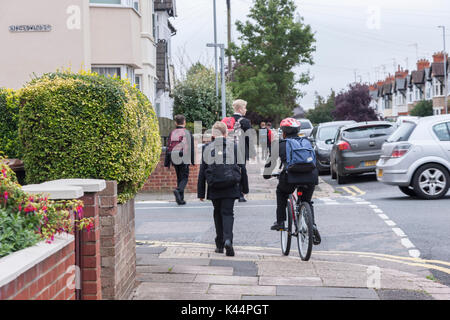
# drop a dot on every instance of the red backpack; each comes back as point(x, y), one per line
point(230, 122)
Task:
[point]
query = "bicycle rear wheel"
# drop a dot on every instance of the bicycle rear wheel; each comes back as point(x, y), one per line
point(305, 231)
point(286, 235)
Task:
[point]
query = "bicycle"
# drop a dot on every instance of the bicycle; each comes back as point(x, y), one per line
point(299, 225)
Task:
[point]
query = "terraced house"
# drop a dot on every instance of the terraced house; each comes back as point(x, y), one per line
point(110, 37)
point(397, 95)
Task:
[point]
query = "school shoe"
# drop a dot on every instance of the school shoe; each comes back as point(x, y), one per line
point(316, 236)
point(229, 248)
point(242, 199)
point(177, 196)
point(277, 226)
point(218, 250)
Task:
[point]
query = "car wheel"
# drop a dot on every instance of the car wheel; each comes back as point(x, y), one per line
point(431, 181)
point(408, 191)
point(341, 179)
point(333, 174)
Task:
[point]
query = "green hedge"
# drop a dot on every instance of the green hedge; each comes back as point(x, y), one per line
point(88, 126)
point(9, 110)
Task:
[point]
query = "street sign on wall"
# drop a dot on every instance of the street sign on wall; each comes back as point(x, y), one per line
point(31, 28)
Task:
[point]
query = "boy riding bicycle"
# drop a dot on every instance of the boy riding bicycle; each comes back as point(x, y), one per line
point(290, 180)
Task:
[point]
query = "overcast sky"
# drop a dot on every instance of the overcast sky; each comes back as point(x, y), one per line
point(363, 36)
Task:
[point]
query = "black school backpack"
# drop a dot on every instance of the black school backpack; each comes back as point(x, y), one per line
point(220, 174)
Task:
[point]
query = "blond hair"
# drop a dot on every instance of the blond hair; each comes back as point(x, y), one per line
point(238, 104)
point(219, 129)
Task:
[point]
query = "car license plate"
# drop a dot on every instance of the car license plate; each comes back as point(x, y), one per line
point(301, 134)
point(380, 173)
point(370, 163)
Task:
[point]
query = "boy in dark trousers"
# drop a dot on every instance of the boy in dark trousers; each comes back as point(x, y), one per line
point(180, 153)
point(216, 155)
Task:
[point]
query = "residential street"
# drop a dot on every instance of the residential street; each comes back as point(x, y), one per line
point(424, 222)
point(369, 225)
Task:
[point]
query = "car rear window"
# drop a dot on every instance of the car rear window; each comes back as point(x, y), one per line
point(442, 131)
point(367, 132)
point(403, 132)
point(326, 133)
point(305, 125)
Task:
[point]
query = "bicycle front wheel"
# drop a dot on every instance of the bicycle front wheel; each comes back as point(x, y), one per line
point(286, 235)
point(305, 231)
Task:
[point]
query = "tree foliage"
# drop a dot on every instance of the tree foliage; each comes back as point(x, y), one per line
point(273, 43)
point(353, 104)
point(423, 108)
point(323, 109)
point(195, 97)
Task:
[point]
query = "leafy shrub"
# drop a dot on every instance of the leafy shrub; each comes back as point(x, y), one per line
point(9, 110)
point(423, 108)
point(25, 219)
point(88, 126)
point(195, 97)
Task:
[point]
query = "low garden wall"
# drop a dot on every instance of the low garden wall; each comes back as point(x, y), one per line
point(39, 272)
point(105, 255)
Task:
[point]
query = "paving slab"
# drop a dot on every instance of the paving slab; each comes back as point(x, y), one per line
point(154, 289)
point(152, 260)
point(290, 281)
point(242, 290)
point(165, 277)
point(149, 250)
point(225, 271)
point(326, 292)
point(215, 279)
point(190, 296)
point(386, 294)
point(240, 268)
point(273, 268)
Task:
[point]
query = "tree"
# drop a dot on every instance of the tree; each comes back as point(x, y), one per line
point(323, 109)
point(423, 109)
point(273, 43)
point(354, 104)
point(195, 97)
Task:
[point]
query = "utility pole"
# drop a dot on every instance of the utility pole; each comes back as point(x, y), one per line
point(229, 34)
point(445, 73)
point(215, 50)
point(222, 65)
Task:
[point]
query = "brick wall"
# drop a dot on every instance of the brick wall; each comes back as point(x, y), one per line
point(90, 263)
point(46, 280)
point(165, 179)
point(118, 245)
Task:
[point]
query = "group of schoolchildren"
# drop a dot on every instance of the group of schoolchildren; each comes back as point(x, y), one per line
point(223, 176)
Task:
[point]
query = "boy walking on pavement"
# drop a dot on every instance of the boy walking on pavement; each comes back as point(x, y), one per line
point(180, 153)
point(222, 173)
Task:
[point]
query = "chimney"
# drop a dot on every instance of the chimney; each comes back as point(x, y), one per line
point(380, 84)
point(400, 73)
point(422, 64)
point(438, 57)
point(389, 79)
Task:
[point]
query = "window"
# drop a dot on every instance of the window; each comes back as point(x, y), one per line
point(403, 132)
point(138, 82)
point(305, 125)
point(123, 3)
point(368, 132)
point(106, 1)
point(442, 131)
point(436, 112)
point(107, 71)
point(438, 87)
point(326, 133)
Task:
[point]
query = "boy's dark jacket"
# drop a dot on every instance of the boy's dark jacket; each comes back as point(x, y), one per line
point(227, 193)
point(191, 147)
point(293, 178)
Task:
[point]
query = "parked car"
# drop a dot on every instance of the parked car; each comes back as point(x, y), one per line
point(416, 158)
point(357, 148)
point(305, 128)
point(402, 119)
point(319, 136)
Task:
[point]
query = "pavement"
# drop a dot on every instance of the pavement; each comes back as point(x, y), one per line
point(362, 256)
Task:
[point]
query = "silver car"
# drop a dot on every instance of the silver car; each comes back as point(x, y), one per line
point(416, 158)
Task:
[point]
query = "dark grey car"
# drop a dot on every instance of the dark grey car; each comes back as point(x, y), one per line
point(357, 148)
point(323, 133)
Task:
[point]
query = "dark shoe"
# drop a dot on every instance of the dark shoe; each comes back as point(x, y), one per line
point(183, 202)
point(278, 226)
point(177, 196)
point(219, 250)
point(316, 236)
point(242, 199)
point(229, 248)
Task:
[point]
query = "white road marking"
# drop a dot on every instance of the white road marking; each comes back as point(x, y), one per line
point(390, 223)
point(378, 210)
point(399, 232)
point(414, 253)
point(373, 206)
point(362, 202)
point(383, 216)
point(407, 243)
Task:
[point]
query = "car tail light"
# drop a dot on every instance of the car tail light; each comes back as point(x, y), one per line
point(344, 145)
point(400, 151)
